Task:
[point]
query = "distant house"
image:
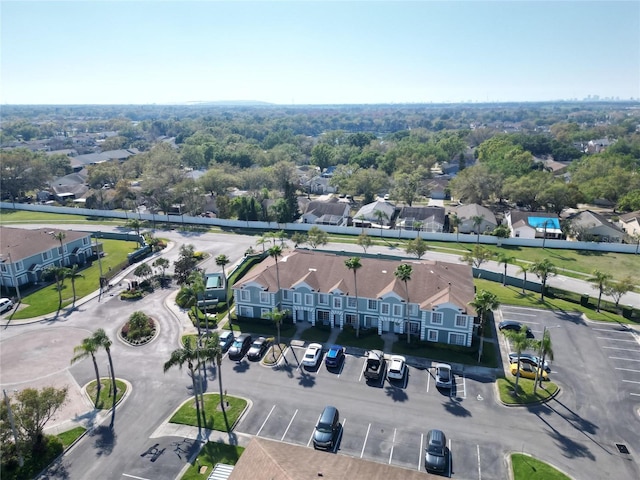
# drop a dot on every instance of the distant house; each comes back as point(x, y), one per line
point(26, 253)
point(330, 212)
point(95, 158)
point(438, 187)
point(533, 224)
point(318, 288)
point(591, 226)
point(466, 214)
point(630, 223)
point(319, 185)
point(69, 186)
point(215, 289)
point(367, 214)
point(427, 219)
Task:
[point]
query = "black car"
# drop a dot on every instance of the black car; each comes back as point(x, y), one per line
point(240, 345)
point(334, 356)
point(514, 326)
point(258, 347)
point(435, 455)
point(326, 433)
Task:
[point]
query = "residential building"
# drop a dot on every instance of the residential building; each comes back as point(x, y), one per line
point(368, 213)
point(630, 223)
point(330, 212)
point(26, 253)
point(318, 288)
point(533, 224)
point(427, 219)
point(467, 214)
point(590, 226)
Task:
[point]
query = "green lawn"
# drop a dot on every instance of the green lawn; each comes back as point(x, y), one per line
point(318, 334)
point(529, 468)
point(70, 436)
point(525, 391)
point(186, 415)
point(106, 400)
point(45, 300)
point(212, 453)
point(447, 353)
point(369, 338)
point(264, 327)
point(9, 217)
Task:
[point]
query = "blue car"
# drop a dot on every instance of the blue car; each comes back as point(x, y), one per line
point(334, 356)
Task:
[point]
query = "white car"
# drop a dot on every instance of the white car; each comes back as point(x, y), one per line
point(5, 305)
point(312, 355)
point(444, 378)
point(397, 367)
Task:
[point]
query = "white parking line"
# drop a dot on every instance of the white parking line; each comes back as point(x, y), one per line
point(428, 379)
point(314, 431)
point(624, 349)
point(626, 359)
point(265, 421)
point(392, 445)
point(479, 470)
point(511, 308)
point(364, 366)
point(616, 339)
point(420, 451)
point(628, 370)
point(290, 422)
point(631, 381)
point(449, 472)
point(610, 330)
point(522, 314)
point(635, 394)
point(365, 441)
point(133, 476)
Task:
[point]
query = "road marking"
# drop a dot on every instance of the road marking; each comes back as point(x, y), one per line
point(631, 381)
point(616, 339)
point(479, 470)
point(428, 379)
point(610, 330)
point(290, 422)
point(635, 394)
point(628, 370)
point(449, 458)
point(626, 359)
point(365, 440)
point(523, 314)
point(133, 476)
point(511, 307)
point(624, 349)
point(265, 421)
point(364, 366)
point(420, 451)
point(314, 431)
point(392, 445)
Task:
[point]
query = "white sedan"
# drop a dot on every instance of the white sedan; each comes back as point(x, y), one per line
point(397, 367)
point(312, 355)
point(444, 379)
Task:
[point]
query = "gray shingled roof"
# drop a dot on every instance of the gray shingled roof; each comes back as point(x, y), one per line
point(22, 243)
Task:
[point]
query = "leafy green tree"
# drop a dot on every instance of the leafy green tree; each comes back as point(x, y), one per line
point(484, 302)
point(135, 225)
point(599, 280)
point(408, 186)
point(417, 247)
point(618, 289)
point(139, 325)
point(519, 343)
point(403, 273)
point(475, 184)
point(58, 274)
point(381, 217)
point(317, 237)
point(143, 271)
point(161, 263)
point(364, 241)
point(33, 408)
point(22, 171)
point(322, 156)
point(455, 222)
point(185, 264)
point(523, 268)
point(354, 265)
point(88, 348)
point(501, 231)
point(477, 256)
point(299, 238)
point(544, 269)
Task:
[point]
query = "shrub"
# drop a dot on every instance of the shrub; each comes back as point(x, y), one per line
point(131, 295)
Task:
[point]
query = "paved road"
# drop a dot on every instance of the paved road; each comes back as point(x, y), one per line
point(576, 432)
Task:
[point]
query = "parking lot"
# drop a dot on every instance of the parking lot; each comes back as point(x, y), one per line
point(381, 437)
point(622, 349)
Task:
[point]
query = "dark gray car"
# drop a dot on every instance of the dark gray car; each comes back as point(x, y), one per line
point(240, 346)
point(435, 455)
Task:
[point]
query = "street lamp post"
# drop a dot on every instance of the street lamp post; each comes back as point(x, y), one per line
point(99, 263)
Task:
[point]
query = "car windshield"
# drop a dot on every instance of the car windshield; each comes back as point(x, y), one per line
point(256, 345)
point(324, 428)
point(237, 343)
point(310, 354)
point(444, 374)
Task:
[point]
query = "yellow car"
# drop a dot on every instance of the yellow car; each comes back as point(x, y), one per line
point(527, 371)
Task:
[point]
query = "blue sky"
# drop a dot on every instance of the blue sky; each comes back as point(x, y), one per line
point(329, 52)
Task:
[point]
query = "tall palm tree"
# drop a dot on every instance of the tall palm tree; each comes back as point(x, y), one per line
point(600, 281)
point(179, 357)
point(543, 270)
point(213, 352)
point(73, 274)
point(403, 273)
point(275, 252)
point(277, 316)
point(221, 261)
point(354, 264)
point(505, 259)
point(88, 348)
point(477, 221)
point(546, 350)
point(484, 302)
point(102, 340)
point(455, 223)
point(381, 217)
point(519, 343)
point(524, 269)
point(58, 274)
point(135, 224)
point(60, 236)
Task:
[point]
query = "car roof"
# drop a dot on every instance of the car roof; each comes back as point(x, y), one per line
point(335, 347)
point(510, 322)
point(443, 365)
point(314, 345)
point(242, 336)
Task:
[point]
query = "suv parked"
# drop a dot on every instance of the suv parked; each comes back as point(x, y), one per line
point(240, 346)
point(435, 455)
point(326, 433)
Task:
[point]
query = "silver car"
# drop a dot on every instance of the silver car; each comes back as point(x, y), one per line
point(444, 377)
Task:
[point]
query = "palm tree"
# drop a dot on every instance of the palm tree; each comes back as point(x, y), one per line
point(600, 281)
point(403, 273)
point(275, 252)
point(545, 349)
point(455, 223)
point(477, 221)
point(188, 296)
point(262, 241)
point(135, 224)
point(381, 217)
point(59, 274)
point(277, 316)
point(88, 348)
point(519, 343)
point(543, 270)
point(73, 274)
point(212, 351)
point(221, 261)
point(505, 259)
point(102, 341)
point(179, 357)
point(484, 302)
point(524, 269)
point(60, 236)
point(354, 264)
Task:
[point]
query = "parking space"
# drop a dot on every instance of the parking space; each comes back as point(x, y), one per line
point(622, 348)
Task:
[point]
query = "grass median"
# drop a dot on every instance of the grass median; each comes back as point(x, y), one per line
point(529, 468)
point(214, 417)
point(525, 396)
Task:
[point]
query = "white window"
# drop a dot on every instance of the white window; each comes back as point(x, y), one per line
point(245, 295)
point(461, 321)
point(264, 297)
point(432, 335)
point(323, 299)
point(457, 339)
point(323, 316)
point(413, 310)
point(351, 302)
point(384, 308)
point(45, 256)
point(85, 241)
point(297, 298)
point(19, 265)
point(286, 295)
point(436, 318)
point(350, 319)
point(372, 304)
point(414, 327)
point(3, 268)
point(337, 302)
point(264, 312)
point(308, 299)
point(397, 310)
point(245, 311)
